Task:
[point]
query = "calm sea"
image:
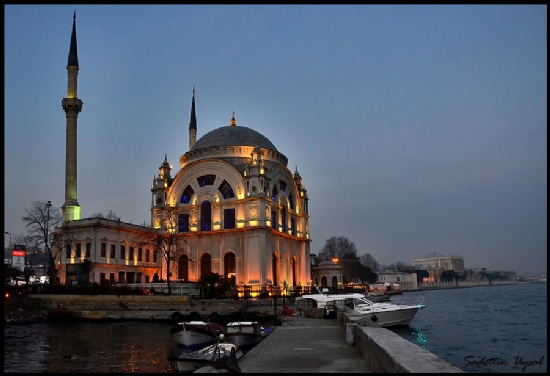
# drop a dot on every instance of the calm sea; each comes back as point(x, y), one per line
point(479, 329)
point(497, 329)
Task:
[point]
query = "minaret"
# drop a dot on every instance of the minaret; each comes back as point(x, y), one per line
point(72, 106)
point(192, 124)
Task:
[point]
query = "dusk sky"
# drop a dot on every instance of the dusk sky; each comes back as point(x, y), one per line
point(415, 128)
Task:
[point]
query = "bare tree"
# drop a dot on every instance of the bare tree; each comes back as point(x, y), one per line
point(163, 239)
point(64, 241)
point(368, 260)
point(337, 247)
point(40, 221)
point(400, 266)
point(111, 216)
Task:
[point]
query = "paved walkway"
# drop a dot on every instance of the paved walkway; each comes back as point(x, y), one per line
point(304, 345)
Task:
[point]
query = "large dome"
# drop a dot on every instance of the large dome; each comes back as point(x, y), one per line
point(233, 136)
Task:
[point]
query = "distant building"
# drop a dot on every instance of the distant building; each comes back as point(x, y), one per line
point(440, 262)
point(408, 281)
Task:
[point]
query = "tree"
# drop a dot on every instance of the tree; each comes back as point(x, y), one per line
point(86, 267)
point(391, 267)
point(368, 260)
point(337, 247)
point(40, 221)
point(111, 216)
point(345, 251)
point(400, 265)
point(10, 273)
point(355, 271)
point(164, 239)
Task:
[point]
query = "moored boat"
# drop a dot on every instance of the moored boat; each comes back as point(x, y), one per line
point(244, 334)
point(220, 355)
point(195, 334)
point(381, 314)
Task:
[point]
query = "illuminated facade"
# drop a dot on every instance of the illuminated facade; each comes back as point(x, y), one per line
point(72, 107)
point(233, 208)
point(440, 262)
point(328, 274)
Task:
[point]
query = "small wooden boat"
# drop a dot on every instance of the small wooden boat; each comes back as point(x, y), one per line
point(194, 334)
point(220, 355)
point(244, 334)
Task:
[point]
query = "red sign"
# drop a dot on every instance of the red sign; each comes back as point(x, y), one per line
point(18, 253)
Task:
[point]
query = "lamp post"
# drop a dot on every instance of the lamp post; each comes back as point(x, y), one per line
point(48, 205)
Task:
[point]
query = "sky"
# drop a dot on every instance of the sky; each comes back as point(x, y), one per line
point(416, 129)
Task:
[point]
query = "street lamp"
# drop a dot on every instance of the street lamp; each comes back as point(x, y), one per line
point(48, 205)
point(9, 233)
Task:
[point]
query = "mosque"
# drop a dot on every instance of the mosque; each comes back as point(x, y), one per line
point(233, 208)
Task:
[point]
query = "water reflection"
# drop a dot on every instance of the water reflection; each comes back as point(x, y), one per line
point(88, 347)
point(415, 335)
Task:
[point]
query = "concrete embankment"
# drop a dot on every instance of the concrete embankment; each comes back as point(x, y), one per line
point(385, 351)
point(303, 344)
point(129, 307)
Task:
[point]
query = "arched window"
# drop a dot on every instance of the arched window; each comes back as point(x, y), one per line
point(226, 190)
point(274, 192)
point(187, 194)
point(230, 270)
point(291, 201)
point(183, 268)
point(206, 180)
point(324, 281)
point(273, 219)
point(283, 219)
point(206, 210)
point(335, 282)
point(206, 265)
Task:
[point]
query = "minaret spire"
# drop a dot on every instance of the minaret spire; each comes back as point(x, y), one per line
point(73, 51)
point(192, 123)
point(72, 107)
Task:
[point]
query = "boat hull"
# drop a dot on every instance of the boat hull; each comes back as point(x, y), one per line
point(389, 318)
point(243, 340)
point(219, 355)
point(191, 339)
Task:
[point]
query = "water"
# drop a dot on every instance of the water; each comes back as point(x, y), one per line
point(88, 347)
point(478, 329)
point(497, 329)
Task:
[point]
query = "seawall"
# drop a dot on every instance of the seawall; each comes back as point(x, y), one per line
point(129, 307)
point(385, 351)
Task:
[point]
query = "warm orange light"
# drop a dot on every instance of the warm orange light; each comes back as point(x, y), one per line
point(335, 260)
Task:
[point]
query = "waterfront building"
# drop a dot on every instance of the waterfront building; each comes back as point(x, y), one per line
point(407, 281)
point(233, 208)
point(328, 274)
point(438, 261)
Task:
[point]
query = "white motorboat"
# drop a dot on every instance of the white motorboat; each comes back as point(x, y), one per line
point(244, 333)
point(218, 355)
point(381, 314)
point(194, 334)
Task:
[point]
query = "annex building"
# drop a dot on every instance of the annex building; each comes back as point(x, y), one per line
point(232, 208)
